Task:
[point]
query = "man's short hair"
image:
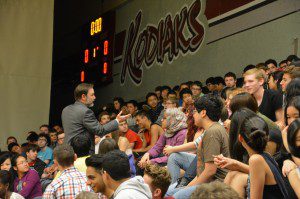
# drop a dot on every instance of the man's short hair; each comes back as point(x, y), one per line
point(258, 73)
point(120, 100)
point(292, 71)
point(185, 91)
point(291, 58)
point(143, 113)
point(176, 88)
point(212, 104)
point(214, 190)
point(133, 102)
point(81, 144)
point(283, 62)
point(102, 114)
point(151, 94)
point(171, 92)
point(32, 147)
point(271, 61)
point(95, 161)
point(230, 74)
point(210, 80)
point(161, 178)
point(81, 89)
point(32, 137)
point(166, 88)
point(219, 80)
point(116, 164)
point(11, 145)
point(59, 133)
point(44, 135)
point(197, 83)
point(249, 67)
point(158, 88)
point(64, 155)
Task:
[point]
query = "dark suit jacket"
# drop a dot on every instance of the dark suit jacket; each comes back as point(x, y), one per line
point(77, 118)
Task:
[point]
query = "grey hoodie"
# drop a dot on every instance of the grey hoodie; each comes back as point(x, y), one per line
point(133, 188)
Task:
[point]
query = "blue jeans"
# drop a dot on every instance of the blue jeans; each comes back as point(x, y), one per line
point(180, 193)
point(178, 161)
point(191, 172)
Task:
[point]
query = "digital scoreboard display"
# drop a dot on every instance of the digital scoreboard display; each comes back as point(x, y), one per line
point(97, 50)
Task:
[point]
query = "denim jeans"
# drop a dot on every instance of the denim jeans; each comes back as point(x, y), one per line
point(179, 161)
point(191, 172)
point(180, 193)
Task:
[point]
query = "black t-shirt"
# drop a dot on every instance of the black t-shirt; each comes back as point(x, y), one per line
point(271, 102)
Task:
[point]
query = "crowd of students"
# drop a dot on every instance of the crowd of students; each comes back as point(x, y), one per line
point(233, 138)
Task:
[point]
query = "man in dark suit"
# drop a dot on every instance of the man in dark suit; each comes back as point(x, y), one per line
point(78, 119)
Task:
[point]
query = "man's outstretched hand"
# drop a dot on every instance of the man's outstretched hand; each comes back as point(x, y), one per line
point(121, 117)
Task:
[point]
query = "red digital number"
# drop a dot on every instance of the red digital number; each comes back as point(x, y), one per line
point(86, 56)
point(105, 48)
point(82, 76)
point(104, 68)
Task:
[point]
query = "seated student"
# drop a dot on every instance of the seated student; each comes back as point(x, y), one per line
point(45, 153)
point(266, 179)
point(44, 128)
point(149, 134)
point(164, 93)
point(293, 146)
point(94, 176)
point(104, 117)
point(11, 139)
point(174, 123)
point(33, 161)
point(269, 101)
point(118, 104)
point(14, 148)
point(290, 73)
point(80, 145)
point(32, 138)
point(171, 102)
point(214, 190)
point(196, 89)
point(132, 107)
point(58, 128)
point(27, 181)
point(158, 179)
point(133, 138)
point(5, 160)
point(60, 137)
point(116, 176)
point(110, 144)
point(157, 91)
point(214, 140)
point(274, 80)
point(246, 100)
point(154, 107)
point(230, 80)
point(71, 181)
point(186, 96)
point(6, 186)
point(53, 138)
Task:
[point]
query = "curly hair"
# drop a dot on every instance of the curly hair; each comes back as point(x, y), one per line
point(161, 178)
point(214, 190)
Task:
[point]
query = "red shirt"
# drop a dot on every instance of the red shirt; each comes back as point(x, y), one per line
point(134, 138)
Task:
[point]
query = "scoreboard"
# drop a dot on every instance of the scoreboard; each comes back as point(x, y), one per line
point(97, 50)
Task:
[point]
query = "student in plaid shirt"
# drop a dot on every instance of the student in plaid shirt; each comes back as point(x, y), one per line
point(71, 182)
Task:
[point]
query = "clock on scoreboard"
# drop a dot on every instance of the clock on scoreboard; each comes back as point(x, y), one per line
point(97, 50)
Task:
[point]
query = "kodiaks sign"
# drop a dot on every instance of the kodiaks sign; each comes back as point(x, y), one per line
point(153, 43)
